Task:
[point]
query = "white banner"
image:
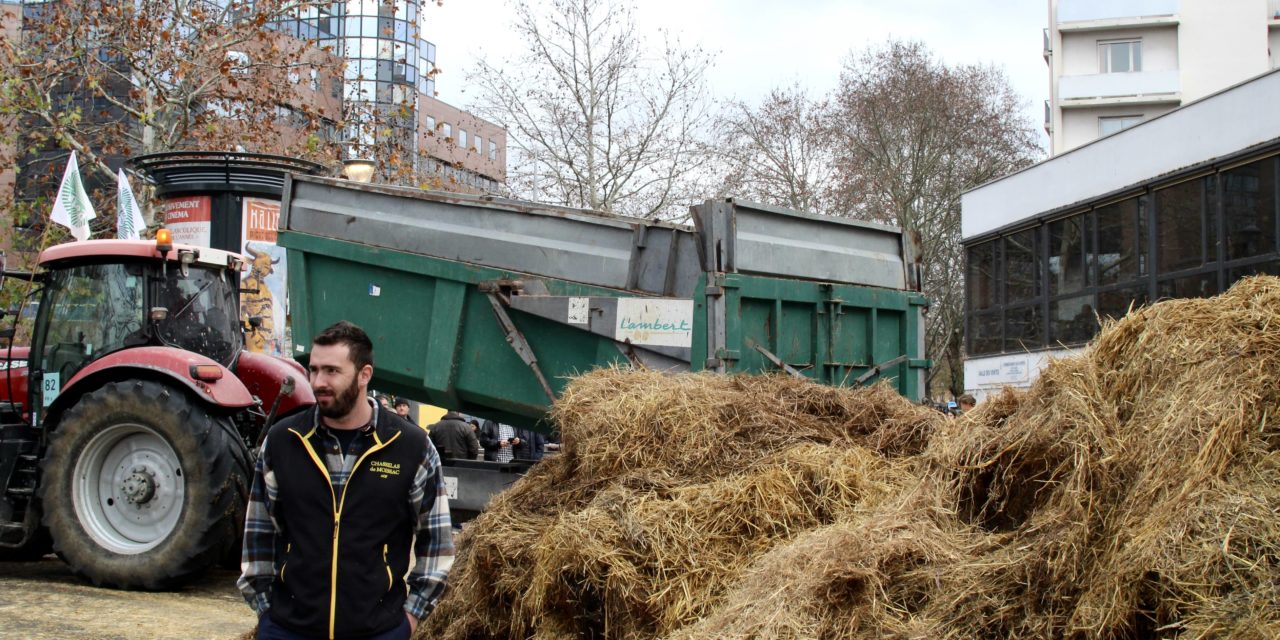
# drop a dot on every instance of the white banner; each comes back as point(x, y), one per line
point(659, 322)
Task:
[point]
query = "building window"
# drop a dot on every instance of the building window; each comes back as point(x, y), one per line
point(1180, 225)
point(1249, 209)
point(493, 150)
point(1022, 266)
point(462, 137)
point(982, 276)
point(478, 143)
point(1119, 56)
point(431, 125)
point(1115, 124)
point(448, 130)
point(1122, 242)
point(1068, 240)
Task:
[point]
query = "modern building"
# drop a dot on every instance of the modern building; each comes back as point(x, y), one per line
point(389, 91)
point(1116, 63)
point(1180, 205)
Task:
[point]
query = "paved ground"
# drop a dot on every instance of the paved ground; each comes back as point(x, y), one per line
point(43, 600)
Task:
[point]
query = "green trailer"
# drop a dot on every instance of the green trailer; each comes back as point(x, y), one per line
point(489, 306)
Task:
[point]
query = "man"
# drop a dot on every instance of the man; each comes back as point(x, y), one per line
point(529, 445)
point(342, 495)
point(402, 410)
point(966, 403)
point(454, 438)
point(497, 440)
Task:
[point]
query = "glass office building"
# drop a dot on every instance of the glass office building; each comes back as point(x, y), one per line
point(388, 65)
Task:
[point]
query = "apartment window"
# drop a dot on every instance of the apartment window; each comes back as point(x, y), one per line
point(1114, 124)
point(478, 144)
point(448, 130)
point(431, 124)
point(1119, 56)
point(462, 138)
point(493, 150)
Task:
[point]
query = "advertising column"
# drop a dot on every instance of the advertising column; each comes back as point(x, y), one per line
point(267, 275)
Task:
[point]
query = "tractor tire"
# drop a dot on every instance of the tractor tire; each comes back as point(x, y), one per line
point(143, 487)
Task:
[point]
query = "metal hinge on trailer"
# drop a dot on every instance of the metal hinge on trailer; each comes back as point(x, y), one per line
point(496, 292)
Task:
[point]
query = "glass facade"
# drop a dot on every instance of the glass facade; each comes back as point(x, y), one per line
point(387, 64)
point(1044, 285)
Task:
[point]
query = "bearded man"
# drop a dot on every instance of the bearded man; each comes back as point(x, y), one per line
point(344, 495)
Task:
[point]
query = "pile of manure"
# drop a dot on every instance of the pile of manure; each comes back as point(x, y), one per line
point(1133, 492)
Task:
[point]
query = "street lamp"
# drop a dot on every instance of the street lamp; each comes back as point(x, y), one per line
point(358, 169)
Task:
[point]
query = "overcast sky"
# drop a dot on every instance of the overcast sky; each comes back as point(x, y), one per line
point(762, 44)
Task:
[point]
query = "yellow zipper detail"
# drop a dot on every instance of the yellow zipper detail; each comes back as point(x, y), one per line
point(390, 580)
point(287, 549)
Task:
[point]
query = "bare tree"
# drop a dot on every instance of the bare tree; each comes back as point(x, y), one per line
point(912, 135)
point(779, 153)
point(594, 120)
point(111, 80)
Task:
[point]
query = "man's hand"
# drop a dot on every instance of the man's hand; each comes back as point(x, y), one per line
point(413, 622)
point(515, 442)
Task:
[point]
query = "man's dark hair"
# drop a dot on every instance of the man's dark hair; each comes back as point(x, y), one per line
point(359, 346)
point(401, 402)
point(967, 399)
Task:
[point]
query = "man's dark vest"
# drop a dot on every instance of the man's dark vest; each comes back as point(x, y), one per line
point(370, 538)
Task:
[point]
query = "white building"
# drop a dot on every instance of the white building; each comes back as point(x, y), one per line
point(1115, 63)
point(1181, 205)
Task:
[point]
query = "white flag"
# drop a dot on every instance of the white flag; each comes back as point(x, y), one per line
point(129, 223)
point(72, 208)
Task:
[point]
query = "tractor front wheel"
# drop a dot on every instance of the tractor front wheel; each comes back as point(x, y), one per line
point(143, 487)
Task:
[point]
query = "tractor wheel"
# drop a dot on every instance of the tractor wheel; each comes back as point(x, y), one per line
point(143, 488)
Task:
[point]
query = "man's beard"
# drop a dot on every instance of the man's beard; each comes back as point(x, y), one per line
point(343, 401)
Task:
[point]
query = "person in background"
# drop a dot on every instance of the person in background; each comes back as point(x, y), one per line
point(965, 403)
point(475, 428)
point(528, 445)
point(309, 556)
point(402, 410)
point(497, 440)
point(454, 438)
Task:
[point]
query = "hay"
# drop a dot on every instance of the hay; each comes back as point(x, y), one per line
point(1133, 492)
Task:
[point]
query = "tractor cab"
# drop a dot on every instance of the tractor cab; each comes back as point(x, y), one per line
point(104, 296)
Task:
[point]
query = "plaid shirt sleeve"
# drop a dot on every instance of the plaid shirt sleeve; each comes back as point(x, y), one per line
point(433, 544)
point(257, 556)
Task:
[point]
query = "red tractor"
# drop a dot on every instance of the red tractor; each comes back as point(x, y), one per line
point(128, 426)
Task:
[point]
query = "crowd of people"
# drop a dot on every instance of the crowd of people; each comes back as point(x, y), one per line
point(458, 435)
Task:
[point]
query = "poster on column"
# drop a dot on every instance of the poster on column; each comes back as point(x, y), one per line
point(268, 275)
point(189, 219)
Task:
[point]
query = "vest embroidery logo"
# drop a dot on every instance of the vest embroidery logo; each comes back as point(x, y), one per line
point(385, 469)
